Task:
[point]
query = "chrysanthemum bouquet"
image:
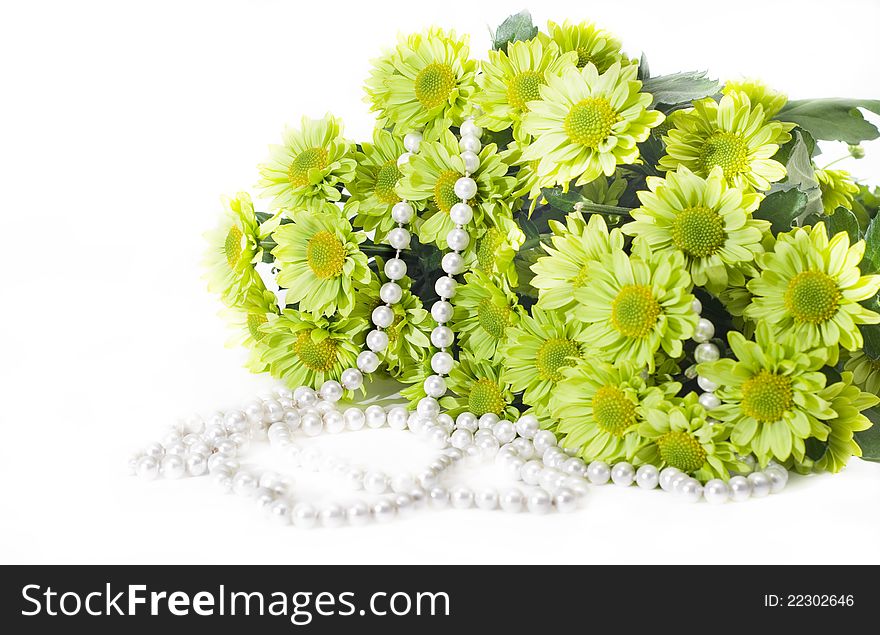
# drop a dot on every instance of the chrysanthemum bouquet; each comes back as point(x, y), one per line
point(658, 269)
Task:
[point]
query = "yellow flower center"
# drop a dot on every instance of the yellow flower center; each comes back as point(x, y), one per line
point(584, 56)
point(433, 84)
point(681, 450)
point(812, 296)
point(766, 396)
point(634, 311)
point(590, 120)
point(316, 356)
point(554, 355)
point(524, 88)
point(232, 248)
point(311, 159)
point(698, 231)
point(325, 254)
point(487, 248)
point(485, 397)
point(254, 322)
point(493, 318)
point(580, 280)
point(613, 411)
point(444, 190)
point(728, 150)
point(393, 331)
point(386, 180)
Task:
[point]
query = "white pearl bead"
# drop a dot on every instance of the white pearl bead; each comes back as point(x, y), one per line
point(706, 352)
point(690, 490)
point(331, 390)
point(334, 422)
point(461, 213)
point(467, 421)
point(458, 239)
point(488, 446)
point(512, 501)
point(709, 400)
point(666, 476)
point(566, 500)
point(647, 477)
point(383, 316)
point(445, 287)
point(358, 514)
point(147, 467)
point(173, 466)
point(245, 484)
point(428, 407)
point(399, 238)
point(332, 516)
point(469, 143)
point(504, 431)
point(375, 416)
point(435, 386)
point(441, 311)
point(395, 268)
point(304, 515)
point(471, 161)
point(305, 397)
point(488, 421)
point(530, 472)
point(254, 410)
point(391, 293)
point(404, 503)
point(452, 263)
point(375, 482)
point(312, 424)
point(397, 417)
point(704, 331)
point(442, 362)
point(279, 512)
point(598, 472)
point(377, 341)
point(411, 141)
point(778, 476)
point(544, 439)
point(438, 497)
point(623, 474)
point(575, 466)
point(527, 426)
point(404, 158)
point(461, 497)
point(740, 488)
point(486, 499)
point(461, 439)
point(706, 384)
point(442, 336)
point(540, 502)
point(367, 361)
point(468, 127)
point(352, 379)
point(554, 457)
point(760, 484)
point(292, 419)
point(697, 306)
point(384, 511)
point(445, 422)
point(465, 188)
point(196, 465)
point(716, 491)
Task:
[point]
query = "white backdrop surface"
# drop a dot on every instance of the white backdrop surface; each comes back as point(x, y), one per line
point(122, 124)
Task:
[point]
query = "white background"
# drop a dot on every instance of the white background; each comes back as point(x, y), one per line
point(122, 124)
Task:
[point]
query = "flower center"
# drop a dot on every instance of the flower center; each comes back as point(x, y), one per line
point(444, 190)
point(681, 450)
point(493, 318)
point(524, 88)
point(433, 84)
point(698, 231)
point(486, 248)
point(311, 159)
point(613, 411)
point(393, 331)
point(317, 356)
point(254, 322)
point(728, 150)
point(766, 396)
point(634, 311)
point(485, 397)
point(554, 355)
point(232, 248)
point(812, 296)
point(580, 280)
point(590, 120)
point(386, 180)
point(325, 255)
point(584, 56)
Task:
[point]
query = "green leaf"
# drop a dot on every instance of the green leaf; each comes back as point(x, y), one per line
point(833, 119)
point(262, 217)
point(871, 260)
point(572, 200)
point(515, 28)
point(679, 88)
point(781, 208)
point(801, 175)
point(644, 69)
point(869, 440)
point(815, 449)
point(843, 220)
point(799, 135)
point(871, 337)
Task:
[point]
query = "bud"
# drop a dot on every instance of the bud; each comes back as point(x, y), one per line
point(856, 151)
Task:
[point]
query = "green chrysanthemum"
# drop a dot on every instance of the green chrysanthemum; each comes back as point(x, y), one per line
point(302, 350)
point(497, 248)
point(865, 371)
point(586, 123)
point(320, 262)
point(375, 182)
point(247, 318)
point(408, 335)
point(848, 402)
point(512, 78)
point(837, 189)
point(732, 134)
point(538, 351)
point(591, 44)
point(484, 314)
point(771, 395)
point(810, 288)
point(637, 305)
point(759, 93)
point(705, 220)
point(683, 437)
point(599, 407)
point(234, 248)
point(478, 387)
point(307, 170)
point(577, 247)
point(429, 180)
point(428, 78)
